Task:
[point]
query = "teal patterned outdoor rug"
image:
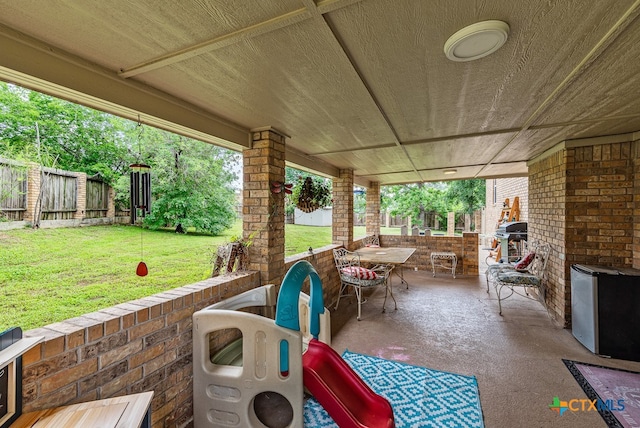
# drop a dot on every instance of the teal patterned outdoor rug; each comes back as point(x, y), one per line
point(420, 397)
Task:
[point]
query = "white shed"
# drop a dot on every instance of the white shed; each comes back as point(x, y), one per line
point(319, 217)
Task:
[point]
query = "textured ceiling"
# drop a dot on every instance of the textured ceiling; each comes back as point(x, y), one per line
point(360, 84)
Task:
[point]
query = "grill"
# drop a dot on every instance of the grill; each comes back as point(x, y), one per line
point(511, 235)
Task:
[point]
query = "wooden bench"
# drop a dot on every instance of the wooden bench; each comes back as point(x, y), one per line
point(505, 278)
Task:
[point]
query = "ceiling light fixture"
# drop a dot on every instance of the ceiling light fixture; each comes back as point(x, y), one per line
point(449, 171)
point(476, 40)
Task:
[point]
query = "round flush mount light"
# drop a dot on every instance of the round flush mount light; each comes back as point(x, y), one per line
point(476, 41)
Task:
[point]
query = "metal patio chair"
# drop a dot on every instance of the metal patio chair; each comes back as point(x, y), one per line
point(352, 274)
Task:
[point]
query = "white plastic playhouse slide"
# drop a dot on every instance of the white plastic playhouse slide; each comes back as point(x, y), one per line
point(268, 360)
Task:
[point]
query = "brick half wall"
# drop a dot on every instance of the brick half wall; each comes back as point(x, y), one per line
point(142, 345)
point(465, 247)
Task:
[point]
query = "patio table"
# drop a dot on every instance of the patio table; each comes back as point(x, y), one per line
point(396, 256)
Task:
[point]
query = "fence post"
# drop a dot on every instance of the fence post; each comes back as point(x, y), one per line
point(81, 196)
point(451, 223)
point(33, 191)
point(111, 204)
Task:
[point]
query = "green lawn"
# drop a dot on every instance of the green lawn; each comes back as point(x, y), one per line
point(49, 275)
point(299, 238)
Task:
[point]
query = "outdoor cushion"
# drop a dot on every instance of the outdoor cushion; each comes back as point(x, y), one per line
point(360, 272)
point(518, 278)
point(372, 246)
point(522, 264)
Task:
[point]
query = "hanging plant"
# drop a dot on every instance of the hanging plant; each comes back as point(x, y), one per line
point(314, 194)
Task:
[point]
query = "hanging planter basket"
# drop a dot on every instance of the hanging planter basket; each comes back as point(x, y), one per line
point(312, 196)
point(307, 206)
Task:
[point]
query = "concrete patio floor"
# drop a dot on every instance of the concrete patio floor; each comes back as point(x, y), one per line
point(453, 325)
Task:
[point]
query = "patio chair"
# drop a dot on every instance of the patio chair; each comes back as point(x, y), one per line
point(352, 274)
point(519, 280)
point(371, 241)
point(494, 268)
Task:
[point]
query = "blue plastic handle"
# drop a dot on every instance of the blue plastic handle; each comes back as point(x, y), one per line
point(287, 314)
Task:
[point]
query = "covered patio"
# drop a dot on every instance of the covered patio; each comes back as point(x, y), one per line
point(453, 325)
point(360, 91)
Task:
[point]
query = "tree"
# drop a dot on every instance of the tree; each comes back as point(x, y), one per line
point(415, 200)
point(53, 132)
point(191, 186)
point(470, 194)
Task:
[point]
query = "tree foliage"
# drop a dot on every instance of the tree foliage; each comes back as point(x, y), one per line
point(60, 134)
point(415, 200)
point(468, 195)
point(191, 180)
point(418, 200)
point(191, 184)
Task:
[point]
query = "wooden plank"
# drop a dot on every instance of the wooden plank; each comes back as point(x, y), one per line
point(98, 417)
point(12, 187)
point(127, 411)
point(18, 348)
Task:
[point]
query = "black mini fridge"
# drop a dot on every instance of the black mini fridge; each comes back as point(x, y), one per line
point(605, 310)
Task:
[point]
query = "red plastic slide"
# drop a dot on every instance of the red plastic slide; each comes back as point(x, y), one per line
point(342, 393)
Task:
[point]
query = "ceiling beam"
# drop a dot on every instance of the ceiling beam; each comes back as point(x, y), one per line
point(35, 65)
point(217, 43)
point(371, 93)
point(309, 10)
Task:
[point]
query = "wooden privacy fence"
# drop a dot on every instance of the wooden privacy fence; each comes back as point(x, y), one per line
point(13, 190)
point(59, 195)
point(33, 194)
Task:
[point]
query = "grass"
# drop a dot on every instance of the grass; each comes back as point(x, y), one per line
point(49, 275)
point(299, 238)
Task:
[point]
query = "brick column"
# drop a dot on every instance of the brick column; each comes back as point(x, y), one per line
point(263, 211)
point(451, 224)
point(372, 216)
point(636, 204)
point(470, 253)
point(81, 196)
point(111, 203)
point(477, 221)
point(34, 182)
point(343, 209)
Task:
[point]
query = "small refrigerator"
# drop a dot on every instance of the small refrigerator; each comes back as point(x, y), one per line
point(605, 310)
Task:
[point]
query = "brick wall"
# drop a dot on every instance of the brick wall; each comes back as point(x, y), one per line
point(504, 188)
point(636, 204)
point(342, 221)
point(582, 203)
point(465, 248)
point(142, 345)
point(323, 262)
point(81, 197)
point(373, 209)
point(263, 211)
point(34, 181)
point(547, 201)
point(600, 189)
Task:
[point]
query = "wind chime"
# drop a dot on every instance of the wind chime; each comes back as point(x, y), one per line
point(140, 201)
point(140, 193)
